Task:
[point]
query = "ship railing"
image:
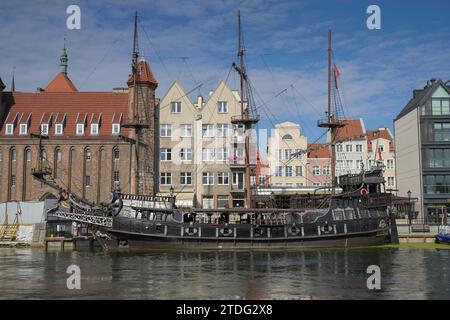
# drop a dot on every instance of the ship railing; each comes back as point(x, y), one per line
point(375, 200)
point(147, 198)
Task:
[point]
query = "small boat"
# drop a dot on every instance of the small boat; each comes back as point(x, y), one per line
point(443, 235)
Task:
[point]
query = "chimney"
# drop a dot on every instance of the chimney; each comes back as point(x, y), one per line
point(432, 80)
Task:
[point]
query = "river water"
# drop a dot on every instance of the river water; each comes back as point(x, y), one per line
point(310, 274)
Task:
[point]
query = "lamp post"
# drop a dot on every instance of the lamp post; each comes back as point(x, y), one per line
point(409, 208)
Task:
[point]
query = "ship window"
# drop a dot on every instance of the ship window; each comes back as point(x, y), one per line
point(349, 214)
point(338, 214)
point(364, 213)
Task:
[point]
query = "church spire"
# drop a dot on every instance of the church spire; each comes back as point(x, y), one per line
point(64, 59)
point(13, 83)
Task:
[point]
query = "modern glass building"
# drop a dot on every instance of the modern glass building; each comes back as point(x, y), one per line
point(422, 136)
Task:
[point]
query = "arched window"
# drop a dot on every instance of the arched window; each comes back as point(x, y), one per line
point(58, 154)
point(287, 137)
point(116, 153)
point(27, 154)
point(13, 154)
point(87, 154)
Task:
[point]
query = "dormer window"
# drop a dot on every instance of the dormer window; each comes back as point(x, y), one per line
point(115, 128)
point(23, 128)
point(94, 128)
point(175, 106)
point(80, 128)
point(59, 128)
point(9, 128)
point(44, 128)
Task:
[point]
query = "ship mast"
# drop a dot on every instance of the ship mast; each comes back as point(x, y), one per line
point(245, 119)
point(331, 123)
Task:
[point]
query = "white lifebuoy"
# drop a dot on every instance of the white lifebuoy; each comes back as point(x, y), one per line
point(364, 192)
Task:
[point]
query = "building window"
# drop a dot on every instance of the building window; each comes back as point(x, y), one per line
point(261, 179)
point(186, 178)
point(23, 129)
point(288, 171)
point(165, 130)
point(390, 164)
point(207, 130)
point(58, 155)
point(222, 130)
point(316, 170)
point(208, 178)
point(116, 177)
point(441, 131)
point(13, 155)
point(87, 181)
point(9, 128)
point(438, 158)
point(326, 170)
point(349, 164)
point(222, 201)
point(287, 137)
point(208, 154)
point(348, 148)
point(80, 128)
point(223, 178)
point(1, 155)
point(315, 184)
point(175, 106)
point(298, 154)
point(28, 155)
point(287, 154)
point(186, 154)
point(186, 130)
point(339, 147)
point(222, 107)
point(13, 180)
point(116, 154)
point(390, 181)
point(440, 107)
point(437, 184)
point(208, 202)
point(44, 129)
point(381, 148)
point(359, 148)
point(299, 171)
point(278, 171)
point(278, 154)
point(94, 128)
point(166, 178)
point(88, 155)
point(59, 128)
point(115, 128)
point(223, 154)
point(166, 154)
point(359, 164)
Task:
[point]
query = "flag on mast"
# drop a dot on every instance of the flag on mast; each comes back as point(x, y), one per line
point(336, 74)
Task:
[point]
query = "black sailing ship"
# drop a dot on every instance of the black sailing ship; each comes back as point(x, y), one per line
point(359, 215)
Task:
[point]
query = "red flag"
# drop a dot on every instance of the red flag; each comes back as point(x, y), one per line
point(336, 75)
point(379, 154)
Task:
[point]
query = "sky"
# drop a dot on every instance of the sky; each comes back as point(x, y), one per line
point(195, 42)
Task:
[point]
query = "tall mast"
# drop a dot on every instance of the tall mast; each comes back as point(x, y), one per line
point(245, 119)
point(331, 123)
point(330, 119)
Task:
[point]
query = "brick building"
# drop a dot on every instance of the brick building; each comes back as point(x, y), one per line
point(88, 139)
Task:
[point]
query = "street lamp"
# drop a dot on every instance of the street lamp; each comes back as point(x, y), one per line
point(409, 207)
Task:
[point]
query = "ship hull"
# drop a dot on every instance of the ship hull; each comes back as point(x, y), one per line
point(115, 240)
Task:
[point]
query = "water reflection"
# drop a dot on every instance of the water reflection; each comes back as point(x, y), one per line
point(316, 274)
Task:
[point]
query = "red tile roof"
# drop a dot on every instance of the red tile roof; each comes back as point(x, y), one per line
point(69, 108)
point(318, 150)
point(352, 129)
point(144, 74)
point(61, 83)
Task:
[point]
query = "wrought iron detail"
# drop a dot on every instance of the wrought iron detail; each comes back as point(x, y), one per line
point(86, 218)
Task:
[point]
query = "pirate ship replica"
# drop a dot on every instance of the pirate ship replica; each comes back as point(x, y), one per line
point(357, 216)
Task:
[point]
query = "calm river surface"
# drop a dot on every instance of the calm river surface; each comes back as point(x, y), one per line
point(317, 274)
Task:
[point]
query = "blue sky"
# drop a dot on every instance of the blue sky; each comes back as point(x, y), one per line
point(195, 42)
